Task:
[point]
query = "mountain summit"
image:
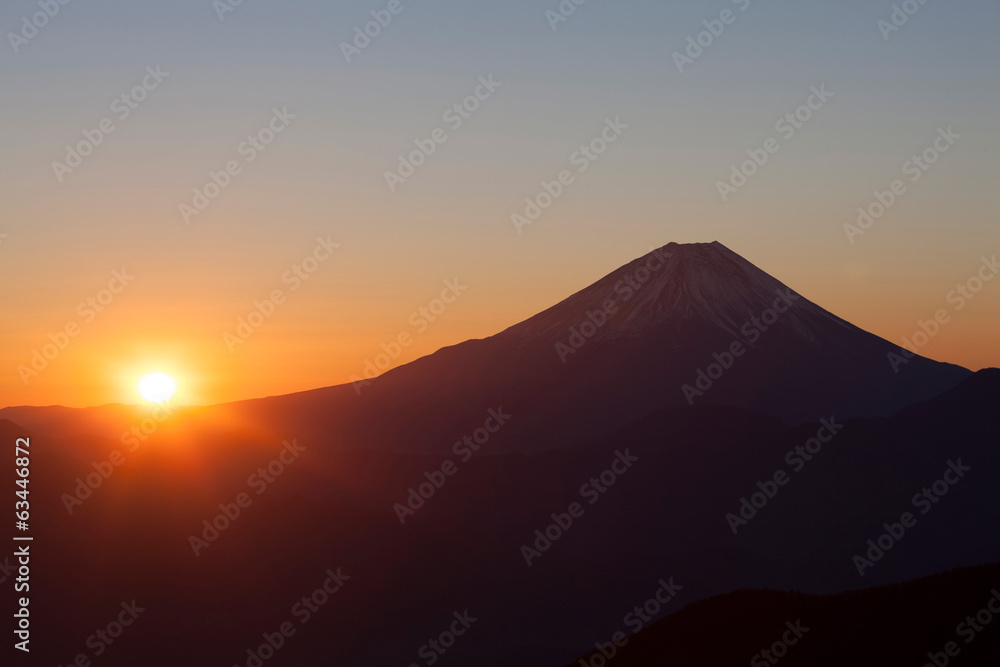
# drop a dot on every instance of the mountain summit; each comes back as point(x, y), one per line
point(671, 284)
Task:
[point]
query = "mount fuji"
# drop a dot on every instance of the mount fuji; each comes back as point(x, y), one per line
point(683, 325)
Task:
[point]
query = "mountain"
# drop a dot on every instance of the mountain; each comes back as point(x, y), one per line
point(869, 628)
point(662, 518)
point(625, 347)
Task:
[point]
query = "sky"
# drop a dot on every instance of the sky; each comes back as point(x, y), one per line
point(298, 120)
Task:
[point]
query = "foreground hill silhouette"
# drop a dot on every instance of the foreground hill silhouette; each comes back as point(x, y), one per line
point(889, 625)
point(463, 548)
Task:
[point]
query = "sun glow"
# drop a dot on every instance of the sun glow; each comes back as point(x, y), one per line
point(157, 387)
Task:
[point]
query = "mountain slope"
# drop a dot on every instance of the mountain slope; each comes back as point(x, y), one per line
point(626, 346)
point(665, 517)
point(665, 317)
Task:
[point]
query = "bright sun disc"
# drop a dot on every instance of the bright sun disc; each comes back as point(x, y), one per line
point(157, 387)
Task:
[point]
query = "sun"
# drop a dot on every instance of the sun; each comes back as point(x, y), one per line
point(157, 387)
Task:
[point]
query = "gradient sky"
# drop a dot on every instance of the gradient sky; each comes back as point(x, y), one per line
point(324, 175)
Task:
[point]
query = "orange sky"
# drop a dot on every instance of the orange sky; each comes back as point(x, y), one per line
point(326, 331)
